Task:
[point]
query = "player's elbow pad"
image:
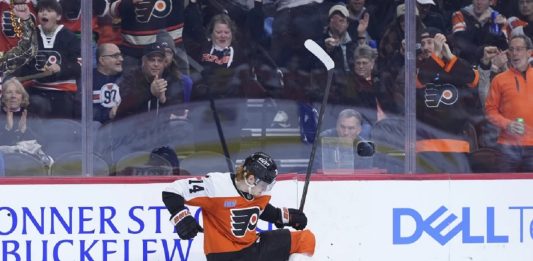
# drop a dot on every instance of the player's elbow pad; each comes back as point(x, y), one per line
point(174, 202)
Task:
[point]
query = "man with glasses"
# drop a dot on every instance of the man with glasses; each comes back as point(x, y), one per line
point(509, 105)
point(106, 93)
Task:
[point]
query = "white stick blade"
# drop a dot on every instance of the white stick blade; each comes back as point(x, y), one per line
point(317, 51)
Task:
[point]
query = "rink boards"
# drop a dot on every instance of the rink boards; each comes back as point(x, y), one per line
point(371, 217)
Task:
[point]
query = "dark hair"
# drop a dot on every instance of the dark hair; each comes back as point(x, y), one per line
point(50, 4)
point(166, 153)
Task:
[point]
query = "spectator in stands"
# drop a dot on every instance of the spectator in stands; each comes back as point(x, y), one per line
point(359, 91)
point(382, 13)
point(347, 130)
point(492, 62)
point(473, 27)
point(348, 125)
point(173, 69)
point(508, 102)
point(446, 103)
point(358, 12)
point(148, 87)
point(71, 17)
point(337, 41)
point(52, 93)
point(176, 111)
point(429, 17)
point(225, 63)
point(14, 114)
point(141, 20)
point(21, 50)
point(522, 23)
point(294, 22)
point(106, 93)
point(391, 42)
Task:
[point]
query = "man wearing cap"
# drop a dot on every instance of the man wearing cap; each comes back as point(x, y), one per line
point(429, 17)
point(146, 88)
point(391, 42)
point(176, 68)
point(338, 42)
point(446, 102)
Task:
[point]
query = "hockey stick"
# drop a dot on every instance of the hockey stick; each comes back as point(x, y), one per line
point(317, 51)
point(219, 130)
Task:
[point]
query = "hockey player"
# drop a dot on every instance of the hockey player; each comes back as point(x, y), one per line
point(231, 206)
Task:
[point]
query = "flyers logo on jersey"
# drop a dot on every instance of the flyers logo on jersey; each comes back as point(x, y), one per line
point(146, 9)
point(436, 94)
point(46, 58)
point(244, 219)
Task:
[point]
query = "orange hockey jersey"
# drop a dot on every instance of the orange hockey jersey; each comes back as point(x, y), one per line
point(229, 219)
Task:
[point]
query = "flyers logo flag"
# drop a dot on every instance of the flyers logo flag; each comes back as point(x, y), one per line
point(436, 94)
point(146, 9)
point(244, 219)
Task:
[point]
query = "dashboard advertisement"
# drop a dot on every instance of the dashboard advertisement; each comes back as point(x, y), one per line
point(351, 219)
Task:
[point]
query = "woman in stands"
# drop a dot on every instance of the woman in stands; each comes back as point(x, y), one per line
point(14, 113)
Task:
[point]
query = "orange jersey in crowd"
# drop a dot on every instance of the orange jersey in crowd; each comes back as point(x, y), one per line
point(229, 219)
point(510, 98)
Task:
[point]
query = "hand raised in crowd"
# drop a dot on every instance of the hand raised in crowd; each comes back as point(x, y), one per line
point(489, 52)
point(21, 10)
point(499, 62)
point(363, 25)
point(441, 47)
point(158, 88)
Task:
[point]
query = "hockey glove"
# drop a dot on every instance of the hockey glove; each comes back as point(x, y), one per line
point(292, 217)
point(186, 225)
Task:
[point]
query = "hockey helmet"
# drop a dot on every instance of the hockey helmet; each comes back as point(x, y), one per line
point(262, 166)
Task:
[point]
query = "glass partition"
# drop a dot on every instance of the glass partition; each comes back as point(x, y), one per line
point(173, 87)
point(41, 88)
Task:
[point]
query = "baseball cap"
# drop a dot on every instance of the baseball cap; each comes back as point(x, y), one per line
point(154, 49)
point(400, 10)
point(164, 39)
point(426, 2)
point(428, 32)
point(339, 8)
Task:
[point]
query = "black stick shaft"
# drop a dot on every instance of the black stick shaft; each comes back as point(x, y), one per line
point(315, 142)
point(220, 131)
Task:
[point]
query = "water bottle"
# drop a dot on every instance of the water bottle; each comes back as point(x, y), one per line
point(521, 120)
point(494, 27)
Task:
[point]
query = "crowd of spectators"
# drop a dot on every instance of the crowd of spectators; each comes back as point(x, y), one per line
point(191, 66)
